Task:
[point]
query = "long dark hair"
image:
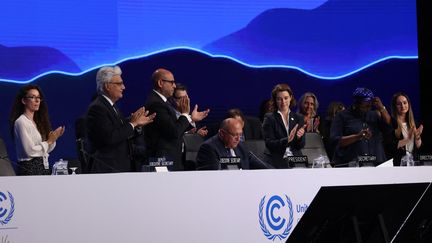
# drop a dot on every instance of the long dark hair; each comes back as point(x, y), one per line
point(409, 116)
point(41, 117)
point(333, 108)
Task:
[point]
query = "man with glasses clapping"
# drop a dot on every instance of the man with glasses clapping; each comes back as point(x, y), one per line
point(164, 136)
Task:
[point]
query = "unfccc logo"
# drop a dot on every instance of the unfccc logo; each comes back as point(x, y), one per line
point(276, 217)
point(7, 207)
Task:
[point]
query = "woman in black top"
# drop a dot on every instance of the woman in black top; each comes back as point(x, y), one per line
point(283, 129)
point(406, 137)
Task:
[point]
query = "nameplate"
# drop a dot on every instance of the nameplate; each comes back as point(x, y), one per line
point(366, 160)
point(230, 163)
point(230, 160)
point(161, 164)
point(297, 161)
point(425, 159)
point(157, 162)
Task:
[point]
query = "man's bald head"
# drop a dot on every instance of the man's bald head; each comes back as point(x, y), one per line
point(158, 74)
point(230, 132)
point(229, 122)
point(163, 82)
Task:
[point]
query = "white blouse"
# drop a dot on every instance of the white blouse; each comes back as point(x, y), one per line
point(28, 141)
point(410, 145)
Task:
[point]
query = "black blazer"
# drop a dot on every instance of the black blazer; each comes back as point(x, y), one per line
point(164, 135)
point(213, 149)
point(108, 134)
point(391, 143)
point(276, 136)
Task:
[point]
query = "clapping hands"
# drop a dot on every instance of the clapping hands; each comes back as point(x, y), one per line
point(199, 115)
point(54, 135)
point(417, 132)
point(141, 117)
point(296, 132)
point(365, 133)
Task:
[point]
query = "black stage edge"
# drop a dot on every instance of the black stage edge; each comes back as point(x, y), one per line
point(367, 213)
point(418, 226)
point(424, 31)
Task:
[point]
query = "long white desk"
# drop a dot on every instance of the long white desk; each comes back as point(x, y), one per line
point(213, 206)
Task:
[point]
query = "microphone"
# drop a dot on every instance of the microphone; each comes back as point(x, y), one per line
point(87, 156)
point(95, 159)
point(334, 165)
point(260, 164)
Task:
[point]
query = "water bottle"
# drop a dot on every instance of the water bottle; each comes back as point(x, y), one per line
point(407, 160)
point(321, 162)
point(287, 153)
point(60, 167)
point(410, 160)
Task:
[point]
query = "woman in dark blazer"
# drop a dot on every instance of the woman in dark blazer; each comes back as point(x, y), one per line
point(283, 129)
point(406, 137)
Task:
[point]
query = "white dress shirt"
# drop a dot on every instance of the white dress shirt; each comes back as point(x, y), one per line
point(29, 142)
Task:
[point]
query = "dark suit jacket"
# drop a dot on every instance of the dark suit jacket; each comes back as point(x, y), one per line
point(276, 137)
point(391, 143)
point(108, 134)
point(213, 149)
point(164, 135)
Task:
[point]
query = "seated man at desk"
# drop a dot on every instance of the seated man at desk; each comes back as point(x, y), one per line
point(224, 149)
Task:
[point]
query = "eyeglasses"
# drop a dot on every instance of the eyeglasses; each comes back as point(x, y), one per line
point(118, 83)
point(34, 98)
point(168, 81)
point(238, 135)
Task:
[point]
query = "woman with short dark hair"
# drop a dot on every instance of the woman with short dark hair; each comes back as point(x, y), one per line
point(283, 129)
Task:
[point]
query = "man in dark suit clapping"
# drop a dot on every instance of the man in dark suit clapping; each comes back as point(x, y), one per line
point(109, 133)
point(164, 136)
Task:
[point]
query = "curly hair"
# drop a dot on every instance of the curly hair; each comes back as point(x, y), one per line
point(41, 117)
point(280, 88)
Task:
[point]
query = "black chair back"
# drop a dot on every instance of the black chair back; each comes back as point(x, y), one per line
point(314, 146)
point(6, 168)
point(258, 154)
point(192, 143)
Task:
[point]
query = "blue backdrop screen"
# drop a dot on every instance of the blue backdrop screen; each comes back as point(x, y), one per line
point(74, 36)
point(229, 53)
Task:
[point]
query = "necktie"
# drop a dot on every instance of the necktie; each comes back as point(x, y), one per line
point(117, 113)
point(228, 151)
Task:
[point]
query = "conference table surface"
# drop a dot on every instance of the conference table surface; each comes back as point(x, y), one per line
point(194, 206)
